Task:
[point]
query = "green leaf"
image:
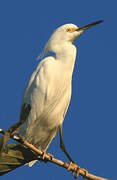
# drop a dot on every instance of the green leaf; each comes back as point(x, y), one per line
point(13, 156)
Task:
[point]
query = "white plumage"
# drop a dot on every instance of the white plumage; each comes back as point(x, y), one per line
point(49, 89)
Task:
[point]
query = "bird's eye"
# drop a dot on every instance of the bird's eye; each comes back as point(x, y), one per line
point(71, 30)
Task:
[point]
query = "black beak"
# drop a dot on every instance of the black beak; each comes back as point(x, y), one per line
point(89, 25)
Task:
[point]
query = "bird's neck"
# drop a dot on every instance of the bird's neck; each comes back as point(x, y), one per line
point(67, 55)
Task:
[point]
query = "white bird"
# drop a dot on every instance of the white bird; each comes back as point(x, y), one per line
point(48, 93)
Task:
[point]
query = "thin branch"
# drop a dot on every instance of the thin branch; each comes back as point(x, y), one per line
point(49, 158)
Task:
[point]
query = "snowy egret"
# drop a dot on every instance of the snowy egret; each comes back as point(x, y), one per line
point(48, 93)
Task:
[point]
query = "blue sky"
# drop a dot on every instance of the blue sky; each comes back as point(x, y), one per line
point(91, 122)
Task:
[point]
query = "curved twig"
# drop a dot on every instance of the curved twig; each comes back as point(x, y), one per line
point(50, 158)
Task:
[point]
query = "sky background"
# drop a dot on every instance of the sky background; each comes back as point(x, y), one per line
point(90, 126)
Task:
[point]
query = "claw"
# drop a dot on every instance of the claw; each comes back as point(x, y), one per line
point(85, 171)
point(73, 172)
point(70, 165)
point(44, 155)
point(50, 155)
point(75, 166)
point(77, 170)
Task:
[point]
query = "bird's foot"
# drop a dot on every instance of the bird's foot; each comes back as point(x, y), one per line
point(76, 169)
point(50, 155)
point(75, 166)
point(44, 156)
point(70, 165)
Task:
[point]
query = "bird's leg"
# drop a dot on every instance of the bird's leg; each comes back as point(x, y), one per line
point(72, 163)
point(62, 146)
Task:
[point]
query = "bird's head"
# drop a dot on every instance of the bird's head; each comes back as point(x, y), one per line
point(65, 34)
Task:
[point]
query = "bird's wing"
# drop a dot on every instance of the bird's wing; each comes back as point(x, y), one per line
point(47, 94)
point(36, 92)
